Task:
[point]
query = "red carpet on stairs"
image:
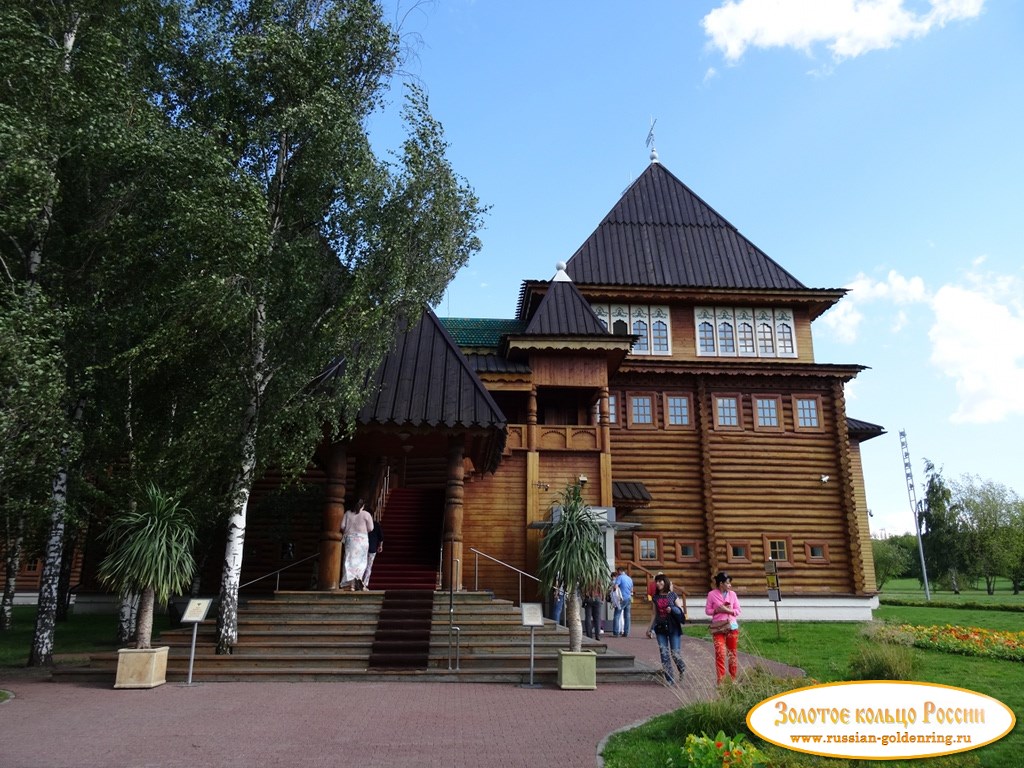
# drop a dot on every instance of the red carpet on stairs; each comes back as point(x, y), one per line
point(411, 524)
point(402, 640)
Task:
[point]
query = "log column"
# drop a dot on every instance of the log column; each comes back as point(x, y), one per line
point(606, 450)
point(329, 569)
point(453, 505)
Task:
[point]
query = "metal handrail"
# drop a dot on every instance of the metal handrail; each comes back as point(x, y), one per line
point(278, 572)
point(476, 571)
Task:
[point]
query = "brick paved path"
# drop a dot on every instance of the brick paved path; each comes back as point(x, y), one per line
point(393, 725)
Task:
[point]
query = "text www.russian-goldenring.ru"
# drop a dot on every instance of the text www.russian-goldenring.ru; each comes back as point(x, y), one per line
point(885, 739)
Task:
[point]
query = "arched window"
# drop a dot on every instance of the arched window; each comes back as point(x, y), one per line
point(641, 344)
point(765, 340)
point(659, 333)
point(706, 335)
point(726, 339)
point(746, 338)
point(784, 334)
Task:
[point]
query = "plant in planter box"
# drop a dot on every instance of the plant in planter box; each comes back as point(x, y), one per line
point(572, 554)
point(150, 554)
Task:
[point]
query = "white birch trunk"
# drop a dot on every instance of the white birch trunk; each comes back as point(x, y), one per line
point(227, 610)
point(46, 613)
point(12, 562)
point(127, 619)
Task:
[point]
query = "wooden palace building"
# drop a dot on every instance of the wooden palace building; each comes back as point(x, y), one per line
point(669, 367)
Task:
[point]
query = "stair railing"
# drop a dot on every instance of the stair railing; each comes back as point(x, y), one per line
point(277, 573)
point(476, 571)
point(383, 490)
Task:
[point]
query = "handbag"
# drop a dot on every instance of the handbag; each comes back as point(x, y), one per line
point(720, 626)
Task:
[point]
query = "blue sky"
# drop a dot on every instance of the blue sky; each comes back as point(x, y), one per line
point(875, 146)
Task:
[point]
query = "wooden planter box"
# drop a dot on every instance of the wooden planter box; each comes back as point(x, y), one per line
point(577, 671)
point(141, 667)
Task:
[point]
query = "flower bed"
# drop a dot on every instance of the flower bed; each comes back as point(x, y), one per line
point(968, 641)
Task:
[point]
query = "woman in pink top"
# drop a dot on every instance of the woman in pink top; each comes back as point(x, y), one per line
point(724, 608)
point(356, 525)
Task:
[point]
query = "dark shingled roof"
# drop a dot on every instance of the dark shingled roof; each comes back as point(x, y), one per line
point(426, 381)
point(496, 364)
point(480, 331)
point(863, 430)
point(564, 312)
point(630, 493)
point(661, 233)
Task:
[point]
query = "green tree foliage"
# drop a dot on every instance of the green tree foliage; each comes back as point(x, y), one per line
point(985, 510)
point(892, 561)
point(945, 541)
point(150, 554)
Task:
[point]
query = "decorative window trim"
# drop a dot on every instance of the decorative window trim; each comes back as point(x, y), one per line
point(683, 558)
point(811, 558)
point(745, 332)
point(653, 423)
point(755, 407)
point(656, 538)
point(738, 426)
point(665, 410)
point(796, 414)
point(622, 319)
point(767, 538)
point(732, 557)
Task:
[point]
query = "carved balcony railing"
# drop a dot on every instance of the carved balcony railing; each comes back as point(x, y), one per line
point(552, 437)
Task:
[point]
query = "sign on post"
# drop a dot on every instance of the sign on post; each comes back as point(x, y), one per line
point(533, 617)
point(194, 613)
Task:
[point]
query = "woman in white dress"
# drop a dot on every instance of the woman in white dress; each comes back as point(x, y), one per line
point(356, 525)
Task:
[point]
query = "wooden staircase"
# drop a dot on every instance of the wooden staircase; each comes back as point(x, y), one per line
point(311, 636)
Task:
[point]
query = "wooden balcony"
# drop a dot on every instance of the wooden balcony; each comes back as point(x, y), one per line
point(551, 437)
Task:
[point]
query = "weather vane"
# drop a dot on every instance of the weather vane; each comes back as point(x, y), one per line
point(650, 140)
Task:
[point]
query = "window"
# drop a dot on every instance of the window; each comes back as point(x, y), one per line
point(650, 324)
point(744, 331)
point(687, 551)
point(726, 339)
point(737, 551)
point(706, 339)
point(677, 410)
point(767, 412)
point(779, 548)
point(727, 412)
point(746, 336)
point(647, 548)
point(807, 412)
point(32, 566)
point(640, 346)
point(613, 410)
point(641, 410)
point(659, 333)
point(816, 552)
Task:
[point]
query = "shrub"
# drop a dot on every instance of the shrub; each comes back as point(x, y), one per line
point(720, 750)
point(881, 661)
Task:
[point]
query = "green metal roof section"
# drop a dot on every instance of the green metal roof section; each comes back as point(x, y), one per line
point(481, 331)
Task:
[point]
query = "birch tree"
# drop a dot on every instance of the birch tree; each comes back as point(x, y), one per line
point(350, 242)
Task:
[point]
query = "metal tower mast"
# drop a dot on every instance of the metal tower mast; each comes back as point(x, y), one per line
point(915, 507)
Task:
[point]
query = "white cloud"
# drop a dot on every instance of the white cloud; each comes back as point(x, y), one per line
point(976, 334)
point(848, 28)
point(978, 341)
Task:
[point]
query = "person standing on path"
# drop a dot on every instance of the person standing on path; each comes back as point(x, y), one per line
point(724, 609)
point(623, 614)
point(667, 626)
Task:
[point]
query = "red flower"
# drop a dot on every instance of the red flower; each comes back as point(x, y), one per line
point(718, 744)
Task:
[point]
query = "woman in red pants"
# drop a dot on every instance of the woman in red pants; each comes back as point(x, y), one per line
point(724, 609)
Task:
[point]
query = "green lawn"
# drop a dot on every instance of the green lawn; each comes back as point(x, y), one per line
point(823, 651)
point(79, 635)
point(910, 589)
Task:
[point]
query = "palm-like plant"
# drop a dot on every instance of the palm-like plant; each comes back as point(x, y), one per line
point(151, 554)
point(572, 555)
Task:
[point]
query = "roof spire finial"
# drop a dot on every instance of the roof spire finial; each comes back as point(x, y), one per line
point(650, 141)
point(560, 274)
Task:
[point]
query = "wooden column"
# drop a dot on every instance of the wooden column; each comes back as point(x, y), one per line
point(453, 504)
point(531, 421)
point(329, 569)
point(704, 421)
point(605, 479)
